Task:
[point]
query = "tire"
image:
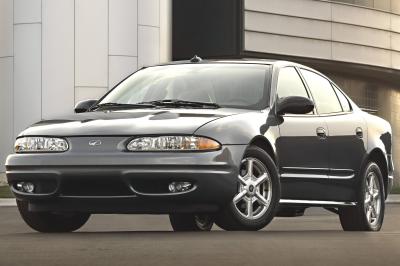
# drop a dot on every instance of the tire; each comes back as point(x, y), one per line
point(191, 222)
point(370, 210)
point(47, 222)
point(242, 213)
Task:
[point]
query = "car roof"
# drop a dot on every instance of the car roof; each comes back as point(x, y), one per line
point(278, 63)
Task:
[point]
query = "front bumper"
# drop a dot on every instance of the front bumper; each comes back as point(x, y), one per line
point(126, 182)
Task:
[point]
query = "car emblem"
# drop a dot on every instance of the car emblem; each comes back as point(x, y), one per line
point(95, 142)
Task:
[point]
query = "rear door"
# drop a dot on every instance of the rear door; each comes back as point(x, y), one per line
point(346, 129)
point(302, 146)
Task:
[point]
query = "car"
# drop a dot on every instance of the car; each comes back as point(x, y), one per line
point(227, 142)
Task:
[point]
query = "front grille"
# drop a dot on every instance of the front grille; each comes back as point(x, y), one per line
point(94, 187)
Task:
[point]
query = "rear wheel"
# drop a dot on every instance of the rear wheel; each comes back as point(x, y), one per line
point(48, 222)
point(191, 222)
point(257, 198)
point(369, 213)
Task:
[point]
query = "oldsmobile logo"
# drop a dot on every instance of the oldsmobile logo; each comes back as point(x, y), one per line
point(95, 142)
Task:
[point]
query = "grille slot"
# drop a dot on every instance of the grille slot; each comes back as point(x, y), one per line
point(94, 187)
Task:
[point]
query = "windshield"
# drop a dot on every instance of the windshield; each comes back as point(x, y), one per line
point(226, 85)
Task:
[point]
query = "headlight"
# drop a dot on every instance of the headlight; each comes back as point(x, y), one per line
point(173, 143)
point(40, 144)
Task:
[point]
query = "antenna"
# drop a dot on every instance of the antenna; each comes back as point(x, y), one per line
point(196, 59)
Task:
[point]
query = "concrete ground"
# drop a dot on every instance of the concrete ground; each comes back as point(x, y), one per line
point(315, 239)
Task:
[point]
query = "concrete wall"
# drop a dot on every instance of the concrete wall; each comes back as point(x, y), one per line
point(325, 30)
point(54, 53)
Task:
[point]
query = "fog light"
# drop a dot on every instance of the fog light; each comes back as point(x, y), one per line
point(179, 186)
point(27, 187)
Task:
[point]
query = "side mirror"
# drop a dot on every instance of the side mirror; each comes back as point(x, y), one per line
point(294, 105)
point(84, 106)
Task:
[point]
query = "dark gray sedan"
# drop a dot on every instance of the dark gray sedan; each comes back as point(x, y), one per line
point(228, 142)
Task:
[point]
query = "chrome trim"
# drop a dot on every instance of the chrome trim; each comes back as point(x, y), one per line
point(318, 176)
point(322, 169)
point(304, 176)
point(318, 202)
point(305, 168)
point(312, 176)
point(341, 177)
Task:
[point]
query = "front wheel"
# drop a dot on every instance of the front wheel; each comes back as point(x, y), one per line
point(48, 222)
point(257, 199)
point(369, 212)
point(191, 222)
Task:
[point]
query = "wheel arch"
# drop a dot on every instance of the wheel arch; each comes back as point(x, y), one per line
point(264, 143)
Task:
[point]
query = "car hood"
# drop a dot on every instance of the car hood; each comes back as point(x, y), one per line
point(129, 122)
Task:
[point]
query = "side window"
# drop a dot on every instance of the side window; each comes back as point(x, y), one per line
point(342, 99)
point(290, 83)
point(324, 96)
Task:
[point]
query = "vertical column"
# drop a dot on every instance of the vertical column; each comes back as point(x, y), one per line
point(148, 32)
point(27, 63)
point(6, 80)
point(122, 39)
point(58, 95)
point(91, 49)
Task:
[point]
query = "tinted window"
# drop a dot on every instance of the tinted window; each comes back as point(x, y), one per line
point(343, 100)
point(229, 85)
point(290, 83)
point(322, 92)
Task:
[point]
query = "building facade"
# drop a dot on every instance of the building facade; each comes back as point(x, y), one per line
point(54, 53)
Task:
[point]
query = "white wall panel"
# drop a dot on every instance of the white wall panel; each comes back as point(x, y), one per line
point(269, 43)
point(57, 58)
point(123, 27)
point(395, 23)
point(396, 60)
point(91, 43)
point(382, 4)
point(120, 68)
point(361, 54)
point(302, 8)
point(360, 35)
point(149, 12)
point(27, 11)
point(6, 28)
point(395, 5)
point(89, 93)
point(149, 46)
point(284, 25)
point(27, 75)
point(395, 40)
point(6, 114)
point(360, 16)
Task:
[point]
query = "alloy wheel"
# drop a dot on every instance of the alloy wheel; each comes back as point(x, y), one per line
point(372, 199)
point(254, 190)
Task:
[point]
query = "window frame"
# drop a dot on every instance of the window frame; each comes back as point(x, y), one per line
point(331, 85)
point(335, 87)
point(314, 112)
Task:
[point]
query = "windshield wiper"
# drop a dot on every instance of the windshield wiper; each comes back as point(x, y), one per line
point(178, 103)
point(121, 105)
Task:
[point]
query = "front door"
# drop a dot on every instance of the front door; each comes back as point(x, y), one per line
point(302, 147)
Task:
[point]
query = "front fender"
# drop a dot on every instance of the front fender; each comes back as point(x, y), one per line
point(242, 129)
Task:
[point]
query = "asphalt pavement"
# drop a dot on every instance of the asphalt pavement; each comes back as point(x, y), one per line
point(314, 239)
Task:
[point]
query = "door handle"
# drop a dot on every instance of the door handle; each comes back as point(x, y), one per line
point(321, 133)
point(359, 132)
